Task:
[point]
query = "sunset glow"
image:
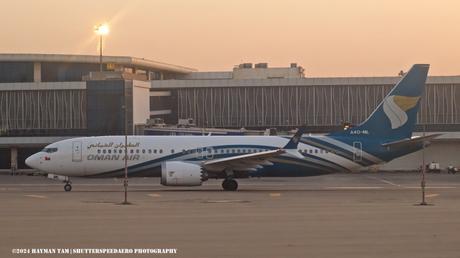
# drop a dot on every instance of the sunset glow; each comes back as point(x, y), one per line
point(328, 38)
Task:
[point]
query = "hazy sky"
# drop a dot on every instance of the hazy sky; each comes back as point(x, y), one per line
point(327, 37)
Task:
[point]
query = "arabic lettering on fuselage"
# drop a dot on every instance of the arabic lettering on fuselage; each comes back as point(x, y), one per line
point(113, 145)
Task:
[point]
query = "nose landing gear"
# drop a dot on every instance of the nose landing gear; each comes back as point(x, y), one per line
point(68, 185)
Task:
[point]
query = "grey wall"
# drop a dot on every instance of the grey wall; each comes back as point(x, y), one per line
point(320, 105)
point(42, 109)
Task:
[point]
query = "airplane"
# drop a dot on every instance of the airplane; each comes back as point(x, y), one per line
point(191, 160)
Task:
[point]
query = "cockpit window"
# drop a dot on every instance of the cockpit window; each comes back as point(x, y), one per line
point(50, 150)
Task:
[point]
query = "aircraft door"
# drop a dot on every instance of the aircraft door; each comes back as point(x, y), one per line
point(358, 151)
point(76, 151)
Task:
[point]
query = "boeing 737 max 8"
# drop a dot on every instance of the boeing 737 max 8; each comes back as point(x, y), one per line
point(191, 160)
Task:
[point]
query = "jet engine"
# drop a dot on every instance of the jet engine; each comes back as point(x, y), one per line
point(178, 173)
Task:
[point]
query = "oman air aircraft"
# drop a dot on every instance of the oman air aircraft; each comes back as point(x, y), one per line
point(191, 160)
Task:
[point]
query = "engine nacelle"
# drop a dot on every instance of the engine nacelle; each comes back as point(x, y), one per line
point(178, 173)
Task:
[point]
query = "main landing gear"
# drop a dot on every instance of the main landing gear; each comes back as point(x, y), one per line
point(230, 184)
point(68, 185)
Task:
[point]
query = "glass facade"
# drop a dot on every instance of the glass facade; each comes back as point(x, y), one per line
point(57, 72)
point(5, 158)
point(105, 113)
point(16, 72)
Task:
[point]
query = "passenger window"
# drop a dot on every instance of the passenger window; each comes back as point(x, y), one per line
point(233, 150)
point(109, 151)
point(143, 150)
point(222, 151)
point(150, 151)
point(131, 151)
point(99, 151)
point(161, 151)
point(172, 150)
point(104, 151)
point(311, 151)
point(137, 150)
point(316, 150)
point(155, 151)
point(120, 151)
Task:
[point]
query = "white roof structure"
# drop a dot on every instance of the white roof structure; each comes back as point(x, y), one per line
point(339, 81)
point(121, 60)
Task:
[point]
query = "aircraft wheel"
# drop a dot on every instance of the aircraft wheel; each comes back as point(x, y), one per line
point(230, 185)
point(67, 187)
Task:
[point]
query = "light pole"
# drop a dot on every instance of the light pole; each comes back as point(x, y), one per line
point(101, 30)
point(125, 181)
point(423, 182)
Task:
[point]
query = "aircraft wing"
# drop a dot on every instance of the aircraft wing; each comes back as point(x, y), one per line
point(253, 161)
point(246, 162)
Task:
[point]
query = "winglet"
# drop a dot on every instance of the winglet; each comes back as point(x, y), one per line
point(292, 144)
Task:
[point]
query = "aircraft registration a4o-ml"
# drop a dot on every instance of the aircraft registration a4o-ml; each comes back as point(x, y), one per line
point(191, 160)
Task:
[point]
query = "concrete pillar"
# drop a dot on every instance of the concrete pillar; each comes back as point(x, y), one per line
point(14, 160)
point(37, 72)
point(149, 75)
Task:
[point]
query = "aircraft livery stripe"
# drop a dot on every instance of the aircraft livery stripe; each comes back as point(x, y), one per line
point(180, 154)
point(336, 150)
point(310, 160)
point(352, 149)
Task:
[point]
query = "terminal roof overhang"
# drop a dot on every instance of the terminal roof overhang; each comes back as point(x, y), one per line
point(128, 61)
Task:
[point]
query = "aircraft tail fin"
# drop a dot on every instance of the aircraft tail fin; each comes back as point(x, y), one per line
point(396, 115)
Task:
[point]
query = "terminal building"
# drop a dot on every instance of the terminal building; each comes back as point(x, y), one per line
point(46, 98)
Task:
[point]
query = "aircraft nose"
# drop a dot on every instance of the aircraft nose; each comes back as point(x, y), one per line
point(32, 161)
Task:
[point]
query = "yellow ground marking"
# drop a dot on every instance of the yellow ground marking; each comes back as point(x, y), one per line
point(431, 195)
point(36, 196)
point(275, 194)
point(154, 195)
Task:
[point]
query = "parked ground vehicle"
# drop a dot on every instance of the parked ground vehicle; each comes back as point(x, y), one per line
point(452, 170)
point(433, 167)
point(186, 123)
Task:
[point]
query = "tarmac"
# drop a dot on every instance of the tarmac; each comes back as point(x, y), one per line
point(338, 215)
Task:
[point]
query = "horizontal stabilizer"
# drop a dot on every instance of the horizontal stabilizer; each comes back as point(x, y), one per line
point(411, 141)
